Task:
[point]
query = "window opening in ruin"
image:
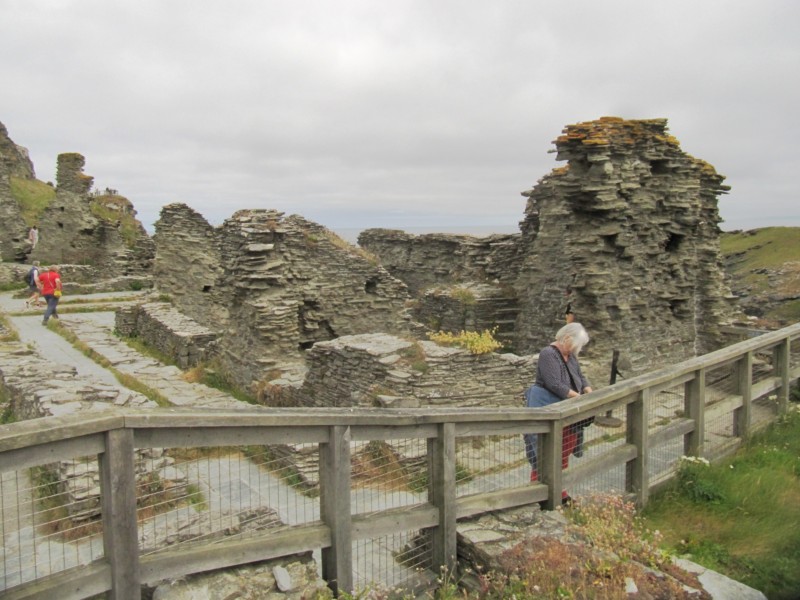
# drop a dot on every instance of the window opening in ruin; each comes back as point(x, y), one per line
point(610, 241)
point(206, 288)
point(371, 286)
point(313, 325)
point(614, 312)
point(673, 242)
point(659, 167)
point(678, 308)
point(60, 225)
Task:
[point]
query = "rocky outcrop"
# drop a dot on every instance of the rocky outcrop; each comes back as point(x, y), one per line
point(76, 227)
point(14, 158)
point(14, 162)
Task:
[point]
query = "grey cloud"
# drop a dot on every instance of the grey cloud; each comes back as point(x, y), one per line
point(413, 112)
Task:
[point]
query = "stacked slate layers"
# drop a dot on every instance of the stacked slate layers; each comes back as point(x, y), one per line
point(626, 236)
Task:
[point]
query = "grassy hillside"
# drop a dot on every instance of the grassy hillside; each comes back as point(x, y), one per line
point(33, 196)
point(764, 269)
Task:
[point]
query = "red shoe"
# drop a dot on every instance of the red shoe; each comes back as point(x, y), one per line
point(534, 475)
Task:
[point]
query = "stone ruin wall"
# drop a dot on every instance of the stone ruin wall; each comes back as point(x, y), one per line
point(188, 265)
point(459, 282)
point(626, 235)
point(167, 330)
point(438, 259)
point(69, 233)
point(272, 286)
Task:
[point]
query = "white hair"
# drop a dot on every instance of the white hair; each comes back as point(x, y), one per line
point(576, 334)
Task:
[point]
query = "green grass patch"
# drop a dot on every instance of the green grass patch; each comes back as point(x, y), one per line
point(33, 197)
point(746, 253)
point(13, 286)
point(732, 517)
point(7, 331)
point(767, 247)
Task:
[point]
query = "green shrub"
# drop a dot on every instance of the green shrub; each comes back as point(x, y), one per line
point(696, 482)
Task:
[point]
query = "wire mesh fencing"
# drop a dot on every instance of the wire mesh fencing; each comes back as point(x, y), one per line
point(49, 520)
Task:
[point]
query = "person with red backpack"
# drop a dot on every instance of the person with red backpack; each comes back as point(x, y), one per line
point(51, 290)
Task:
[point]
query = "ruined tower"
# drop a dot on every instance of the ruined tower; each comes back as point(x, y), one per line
point(626, 237)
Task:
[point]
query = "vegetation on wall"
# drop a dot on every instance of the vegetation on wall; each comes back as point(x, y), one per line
point(476, 342)
point(118, 209)
point(33, 197)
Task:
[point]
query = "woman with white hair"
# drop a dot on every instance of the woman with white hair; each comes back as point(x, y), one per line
point(558, 377)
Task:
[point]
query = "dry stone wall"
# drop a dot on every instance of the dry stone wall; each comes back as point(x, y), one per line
point(188, 265)
point(376, 369)
point(169, 331)
point(437, 259)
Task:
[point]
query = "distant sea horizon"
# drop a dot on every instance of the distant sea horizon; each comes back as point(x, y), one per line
point(351, 234)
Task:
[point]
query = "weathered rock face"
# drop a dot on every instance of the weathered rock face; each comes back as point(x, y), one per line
point(625, 236)
point(70, 232)
point(15, 159)
point(14, 162)
point(272, 286)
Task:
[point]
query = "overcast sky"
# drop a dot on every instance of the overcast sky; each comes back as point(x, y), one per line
point(398, 114)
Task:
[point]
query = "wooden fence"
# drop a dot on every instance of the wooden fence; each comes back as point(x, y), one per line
point(114, 436)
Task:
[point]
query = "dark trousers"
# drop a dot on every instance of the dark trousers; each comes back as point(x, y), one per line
point(52, 303)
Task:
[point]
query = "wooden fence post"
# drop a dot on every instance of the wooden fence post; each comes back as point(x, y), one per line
point(636, 470)
point(781, 355)
point(742, 416)
point(442, 494)
point(118, 505)
point(549, 464)
point(334, 479)
point(694, 407)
